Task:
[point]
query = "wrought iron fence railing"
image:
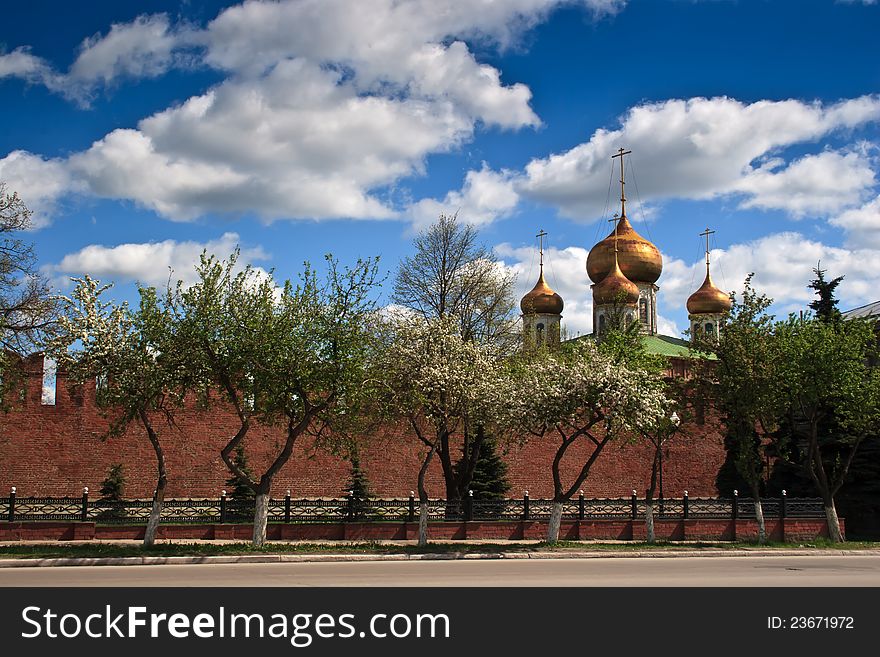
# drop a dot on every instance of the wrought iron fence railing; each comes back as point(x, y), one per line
point(289, 510)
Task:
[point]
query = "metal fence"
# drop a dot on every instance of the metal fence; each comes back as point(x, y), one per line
point(288, 510)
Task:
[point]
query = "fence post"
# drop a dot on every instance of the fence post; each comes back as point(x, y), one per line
point(634, 504)
point(11, 514)
point(222, 507)
point(781, 504)
point(469, 508)
point(685, 505)
point(412, 507)
point(287, 507)
point(735, 508)
point(84, 512)
point(350, 505)
point(581, 505)
point(525, 505)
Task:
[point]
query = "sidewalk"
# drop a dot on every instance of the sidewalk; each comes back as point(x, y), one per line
point(514, 553)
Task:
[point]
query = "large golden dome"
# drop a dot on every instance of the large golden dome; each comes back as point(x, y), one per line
point(542, 300)
point(615, 288)
point(708, 299)
point(639, 259)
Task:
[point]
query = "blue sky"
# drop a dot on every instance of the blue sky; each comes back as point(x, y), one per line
point(141, 133)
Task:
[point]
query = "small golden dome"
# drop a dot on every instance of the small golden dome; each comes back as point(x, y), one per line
point(639, 259)
point(615, 288)
point(542, 300)
point(708, 299)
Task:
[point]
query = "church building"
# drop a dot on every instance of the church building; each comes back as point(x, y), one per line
point(624, 269)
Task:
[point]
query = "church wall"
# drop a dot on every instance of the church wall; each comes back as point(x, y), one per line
point(56, 450)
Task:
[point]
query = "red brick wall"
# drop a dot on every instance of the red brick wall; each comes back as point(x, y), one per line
point(56, 450)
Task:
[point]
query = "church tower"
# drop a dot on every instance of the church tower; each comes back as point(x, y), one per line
point(541, 310)
point(708, 305)
point(638, 260)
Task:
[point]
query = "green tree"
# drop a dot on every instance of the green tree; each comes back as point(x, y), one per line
point(134, 353)
point(744, 383)
point(824, 375)
point(452, 277)
point(825, 306)
point(578, 394)
point(241, 505)
point(289, 357)
point(113, 487)
point(489, 482)
point(357, 488)
point(442, 385)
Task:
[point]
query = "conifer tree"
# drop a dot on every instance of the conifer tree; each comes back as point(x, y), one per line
point(825, 306)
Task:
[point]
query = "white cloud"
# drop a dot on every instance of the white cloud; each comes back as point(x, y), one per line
point(701, 148)
point(20, 63)
point(38, 182)
point(148, 263)
point(783, 264)
point(861, 224)
point(814, 184)
point(327, 104)
point(485, 196)
point(145, 47)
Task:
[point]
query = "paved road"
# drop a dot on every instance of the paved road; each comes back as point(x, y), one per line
point(680, 571)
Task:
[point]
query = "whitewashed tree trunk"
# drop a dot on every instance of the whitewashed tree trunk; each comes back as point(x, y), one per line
point(555, 522)
point(423, 523)
point(649, 521)
point(834, 532)
point(155, 515)
point(759, 516)
point(261, 517)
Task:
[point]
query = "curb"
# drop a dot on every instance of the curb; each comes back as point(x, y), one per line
point(441, 556)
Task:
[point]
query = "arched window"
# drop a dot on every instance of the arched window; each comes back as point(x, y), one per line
point(709, 327)
point(601, 323)
point(643, 311)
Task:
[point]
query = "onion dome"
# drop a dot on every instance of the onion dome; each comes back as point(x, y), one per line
point(708, 300)
point(615, 287)
point(542, 300)
point(639, 259)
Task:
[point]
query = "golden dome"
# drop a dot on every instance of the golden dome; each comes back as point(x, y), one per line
point(639, 259)
point(708, 299)
point(615, 288)
point(542, 300)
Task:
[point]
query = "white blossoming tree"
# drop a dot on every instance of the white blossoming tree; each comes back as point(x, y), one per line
point(130, 351)
point(576, 394)
point(443, 386)
point(292, 357)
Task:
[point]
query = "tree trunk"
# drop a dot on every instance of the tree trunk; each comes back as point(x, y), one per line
point(155, 513)
point(649, 520)
point(161, 481)
point(423, 496)
point(423, 524)
point(555, 522)
point(759, 516)
point(834, 532)
point(261, 517)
